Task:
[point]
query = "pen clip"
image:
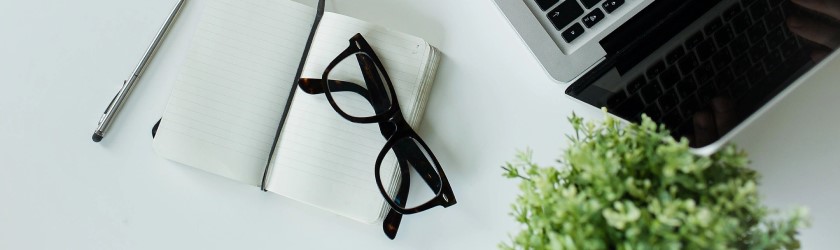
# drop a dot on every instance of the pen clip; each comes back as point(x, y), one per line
point(115, 98)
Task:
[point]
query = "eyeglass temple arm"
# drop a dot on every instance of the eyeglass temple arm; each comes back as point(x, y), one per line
point(392, 220)
point(379, 95)
point(313, 86)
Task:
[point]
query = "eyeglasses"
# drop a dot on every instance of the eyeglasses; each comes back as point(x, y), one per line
point(376, 102)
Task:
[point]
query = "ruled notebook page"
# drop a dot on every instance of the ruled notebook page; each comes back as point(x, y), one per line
point(230, 94)
point(327, 161)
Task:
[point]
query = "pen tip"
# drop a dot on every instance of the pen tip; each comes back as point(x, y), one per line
point(97, 137)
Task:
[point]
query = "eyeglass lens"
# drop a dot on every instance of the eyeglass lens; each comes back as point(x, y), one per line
point(359, 69)
point(425, 179)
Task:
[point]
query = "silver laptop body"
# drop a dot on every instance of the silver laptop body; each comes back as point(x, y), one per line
point(704, 68)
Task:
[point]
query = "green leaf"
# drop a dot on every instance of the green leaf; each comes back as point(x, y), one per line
point(635, 187)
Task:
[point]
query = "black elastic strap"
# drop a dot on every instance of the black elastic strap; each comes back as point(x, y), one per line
point(318, 15)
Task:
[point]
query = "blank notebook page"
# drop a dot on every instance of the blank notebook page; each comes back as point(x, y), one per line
point(230, 94)
point(327, 161)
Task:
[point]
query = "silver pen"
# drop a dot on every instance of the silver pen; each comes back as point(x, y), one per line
point(113, 108)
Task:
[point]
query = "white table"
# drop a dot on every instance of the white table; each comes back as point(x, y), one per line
point(62, 61)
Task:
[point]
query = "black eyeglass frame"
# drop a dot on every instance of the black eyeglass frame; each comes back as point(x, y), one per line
point(393, 115)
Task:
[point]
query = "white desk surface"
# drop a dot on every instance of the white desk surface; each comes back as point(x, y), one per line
point(62, 61)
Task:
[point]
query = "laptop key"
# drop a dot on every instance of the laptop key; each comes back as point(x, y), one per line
point(775, 17)
point(630, 109)
point(713, 25)
point(611, 5)
point(689, 78)
point(545, 4)
point(636, 84)
point(705, 72)
point(775, 37)
point(739, 88)
point(756, 32)
point(653, 112)
point(706, 93)
point(694, 40)
point(589, 3)
point(685, 88)
point(593, 18)
point(572, 33)
point(651, 91)
point(741, 22)
point(773, 60)
point(724, 35)
point(789, 47)
point(616, 99)
point(567, 12)
point(675, 55)
point(740, 65)
point(706, 49)
point(722, 58)
point(689, 106)
point(756, 74)
point(733, 11)
point(758, 51)
point(655, 69)
point(759, 9)
point(688, 63)
point(725, 76)
point(740, 45)
point(669, 77)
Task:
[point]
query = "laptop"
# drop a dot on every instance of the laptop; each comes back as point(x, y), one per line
point(703, 68)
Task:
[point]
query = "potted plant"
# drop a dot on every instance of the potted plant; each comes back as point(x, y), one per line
point(632, 186)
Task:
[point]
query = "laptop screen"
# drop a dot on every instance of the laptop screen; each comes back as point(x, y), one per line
point(702, 67)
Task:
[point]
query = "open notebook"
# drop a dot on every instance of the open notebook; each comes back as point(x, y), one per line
point(230, 96)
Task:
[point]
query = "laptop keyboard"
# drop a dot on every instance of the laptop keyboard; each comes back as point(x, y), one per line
point(732, 55)
point(573, 18)
point(570, 11)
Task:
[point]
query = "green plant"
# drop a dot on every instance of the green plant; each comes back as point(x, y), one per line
point(634, 187)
